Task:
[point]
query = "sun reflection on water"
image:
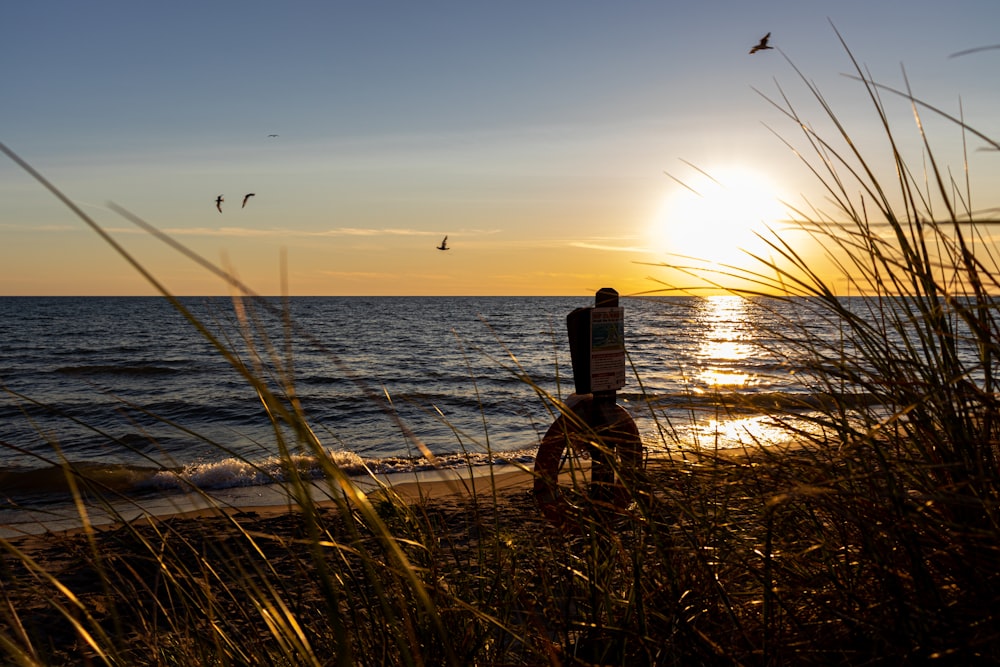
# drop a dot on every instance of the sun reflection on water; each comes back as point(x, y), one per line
point(730, 433)
point(730, 383)
point(723, 346)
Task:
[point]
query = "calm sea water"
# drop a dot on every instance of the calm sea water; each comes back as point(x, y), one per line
point(128, 389)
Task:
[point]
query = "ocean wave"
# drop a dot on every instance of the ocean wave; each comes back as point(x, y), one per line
point(20, 483)
point(38, 484)
point(764, 402)
point(110, 369)
point(234, 472)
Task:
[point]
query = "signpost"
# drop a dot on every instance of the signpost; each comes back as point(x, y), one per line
point(594, 423)
point(597, 344)
point(607, 349)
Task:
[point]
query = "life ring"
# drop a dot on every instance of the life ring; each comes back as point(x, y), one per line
point(600, 431)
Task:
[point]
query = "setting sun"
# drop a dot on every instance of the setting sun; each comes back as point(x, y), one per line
point(716, 217)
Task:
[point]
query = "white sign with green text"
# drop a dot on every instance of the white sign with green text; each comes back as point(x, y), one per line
point(607, 349)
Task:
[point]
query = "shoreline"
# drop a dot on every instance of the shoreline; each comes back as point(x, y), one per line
point(411, 486)
point(435, 485)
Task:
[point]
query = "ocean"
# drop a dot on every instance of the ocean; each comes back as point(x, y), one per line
point(129, 390)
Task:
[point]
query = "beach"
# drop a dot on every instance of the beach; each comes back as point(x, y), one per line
point(162, 410)
point(116, 565)
point(440, 566)
point(774, 521)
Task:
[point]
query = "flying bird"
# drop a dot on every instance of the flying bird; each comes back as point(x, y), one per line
point(218, 203)
point(975, 50)
point(762, 45)
point(444, 244)
point(245, 198)
point(271, 136)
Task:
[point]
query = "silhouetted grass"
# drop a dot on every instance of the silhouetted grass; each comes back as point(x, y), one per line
point(874, 541)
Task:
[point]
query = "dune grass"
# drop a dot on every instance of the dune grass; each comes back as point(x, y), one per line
point(874, 541)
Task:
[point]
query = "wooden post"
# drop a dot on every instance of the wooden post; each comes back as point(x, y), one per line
point(602, 474)
point(597, 425)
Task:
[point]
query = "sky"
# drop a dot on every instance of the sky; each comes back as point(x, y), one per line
point(557, 144)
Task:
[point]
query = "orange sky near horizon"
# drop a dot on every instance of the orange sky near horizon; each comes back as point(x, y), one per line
point(563, 149)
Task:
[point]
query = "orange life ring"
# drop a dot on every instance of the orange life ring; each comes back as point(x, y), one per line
point(592, 429)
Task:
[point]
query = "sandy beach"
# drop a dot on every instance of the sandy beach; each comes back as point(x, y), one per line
point(708, 529)
point(504, 486)
point(272, 537)
point(445, 491)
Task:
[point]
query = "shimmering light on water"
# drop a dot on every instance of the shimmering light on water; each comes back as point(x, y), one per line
point(724, 320)
point(717, 379)
point(746, 431)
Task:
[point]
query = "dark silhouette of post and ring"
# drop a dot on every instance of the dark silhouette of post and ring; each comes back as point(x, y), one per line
point(592, 422)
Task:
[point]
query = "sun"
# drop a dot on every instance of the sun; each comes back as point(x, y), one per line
point(716, 218)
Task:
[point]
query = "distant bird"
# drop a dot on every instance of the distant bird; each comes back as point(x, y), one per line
point(245, 198)
point(271, 136)
point(975, 50)
point(218, 203)
point(444, 244)
point(762, 45)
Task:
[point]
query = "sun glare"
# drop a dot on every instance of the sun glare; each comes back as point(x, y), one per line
point(715, 217)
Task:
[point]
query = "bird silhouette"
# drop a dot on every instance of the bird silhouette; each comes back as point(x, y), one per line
point(762, 44)
point(444, 244)
point(271, 136)
point(218, 203)
point(245, 198)
point(975, 50)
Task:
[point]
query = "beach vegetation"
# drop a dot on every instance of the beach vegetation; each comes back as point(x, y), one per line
point(873, 540)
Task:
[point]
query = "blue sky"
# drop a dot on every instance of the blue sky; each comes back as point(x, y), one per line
point(535, 134)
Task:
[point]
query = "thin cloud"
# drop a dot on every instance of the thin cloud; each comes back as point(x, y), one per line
point(356, 275)
point(286, 233)
point(241, 232)
point(373, 276)
point(7, 227)
point(361, 231)
point(595, 245)
point(247, 232)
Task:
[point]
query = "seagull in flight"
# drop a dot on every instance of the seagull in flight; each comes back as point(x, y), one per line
point(218, 203)
point(271, 136)
point(444, 244)
point(245, 198)
point(975, 50)
point(762, 44)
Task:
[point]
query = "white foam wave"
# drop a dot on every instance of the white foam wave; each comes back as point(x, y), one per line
point(235, 472)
